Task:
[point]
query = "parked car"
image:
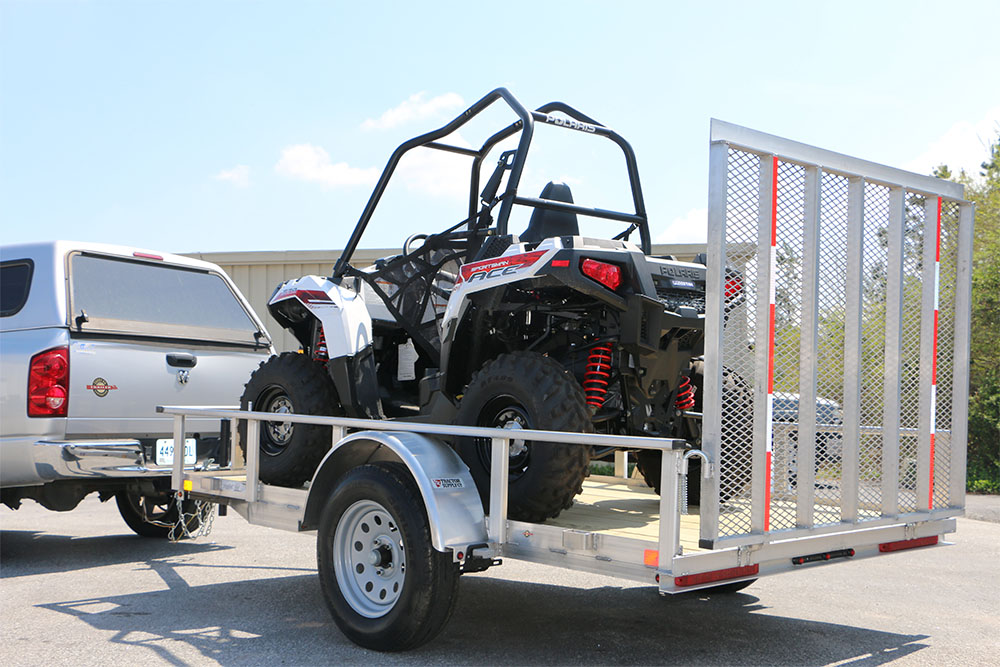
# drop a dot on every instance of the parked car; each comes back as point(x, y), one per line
point(92, 338)
point(829, 420)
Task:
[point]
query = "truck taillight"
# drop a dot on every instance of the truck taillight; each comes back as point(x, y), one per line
point(608, 275)
point(48, 383)
point(734, 285)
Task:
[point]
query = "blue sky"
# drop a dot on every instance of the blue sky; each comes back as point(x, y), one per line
point(201, 126)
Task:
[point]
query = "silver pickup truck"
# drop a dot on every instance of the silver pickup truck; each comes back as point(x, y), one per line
point(92, 338)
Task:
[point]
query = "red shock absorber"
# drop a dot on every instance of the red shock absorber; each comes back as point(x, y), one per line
point(685, 394)
point(597, 375)
point(319, 351)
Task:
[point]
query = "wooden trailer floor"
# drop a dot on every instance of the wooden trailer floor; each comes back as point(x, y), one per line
point(613, 506)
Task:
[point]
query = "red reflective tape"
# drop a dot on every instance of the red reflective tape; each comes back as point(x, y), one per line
point(937, 254)
point(560, 263)
point(774, 201)
point(908, 544)
point(767, 492)
point(716, 575)
point(770, 350)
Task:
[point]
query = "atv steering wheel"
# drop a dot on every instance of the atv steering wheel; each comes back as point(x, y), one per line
point(412, 238)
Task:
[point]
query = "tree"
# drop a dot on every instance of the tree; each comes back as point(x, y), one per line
point(984, 371)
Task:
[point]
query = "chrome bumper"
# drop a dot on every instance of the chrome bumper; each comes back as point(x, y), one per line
point(60, 459)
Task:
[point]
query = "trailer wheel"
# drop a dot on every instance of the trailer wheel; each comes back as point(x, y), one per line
point(726, 589)
point(524, 390)
point(386, 586)
point(155, 515)
point(290, 383)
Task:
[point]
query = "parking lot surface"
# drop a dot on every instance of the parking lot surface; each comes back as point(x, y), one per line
point(79, 588)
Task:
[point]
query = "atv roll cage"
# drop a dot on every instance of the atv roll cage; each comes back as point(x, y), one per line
point(481, 204)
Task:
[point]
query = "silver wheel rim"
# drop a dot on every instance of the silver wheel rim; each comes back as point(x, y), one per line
point(281, 432)
point(369, 559)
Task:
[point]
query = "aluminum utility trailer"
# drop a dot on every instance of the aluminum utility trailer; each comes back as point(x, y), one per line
point(849, 347)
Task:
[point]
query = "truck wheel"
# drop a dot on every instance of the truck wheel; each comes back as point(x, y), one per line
point(386, 586)
point(154, 516)
point(737, 401)
point(524, 390)
point(290, 383)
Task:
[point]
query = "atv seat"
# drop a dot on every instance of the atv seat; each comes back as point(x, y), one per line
point(546, 223)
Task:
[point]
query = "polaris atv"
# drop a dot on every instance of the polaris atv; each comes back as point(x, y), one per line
point(476, 325)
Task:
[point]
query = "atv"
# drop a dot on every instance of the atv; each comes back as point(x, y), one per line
point(476, 325)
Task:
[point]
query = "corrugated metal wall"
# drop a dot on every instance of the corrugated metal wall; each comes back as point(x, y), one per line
point(258, 273)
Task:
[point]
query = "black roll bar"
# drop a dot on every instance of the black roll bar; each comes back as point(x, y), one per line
point(525, 125)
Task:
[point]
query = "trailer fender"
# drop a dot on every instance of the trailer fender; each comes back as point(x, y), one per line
point(454, 510)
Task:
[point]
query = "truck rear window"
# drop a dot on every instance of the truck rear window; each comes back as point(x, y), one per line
point(15, 281)
point(119, 295)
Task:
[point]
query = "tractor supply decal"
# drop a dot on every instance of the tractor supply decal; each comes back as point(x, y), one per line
point(501, 266)
point(448, 483)
point(100, 387)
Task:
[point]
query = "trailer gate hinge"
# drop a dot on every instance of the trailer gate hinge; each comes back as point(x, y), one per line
point(743, 554)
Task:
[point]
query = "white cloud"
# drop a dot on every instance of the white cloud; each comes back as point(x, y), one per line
point(691, 228)
point(238, 175)
point(312, 163)
point(436, 173)
point(963, 146)
point(414, 108)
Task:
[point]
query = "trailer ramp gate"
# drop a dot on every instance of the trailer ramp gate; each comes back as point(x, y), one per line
point(837, 337)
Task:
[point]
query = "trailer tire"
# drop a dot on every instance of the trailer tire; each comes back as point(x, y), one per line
point(527, 390)
point(737, 399)
point(727, 589)
point(290, 382)
point(386, 586)
point(154, 516)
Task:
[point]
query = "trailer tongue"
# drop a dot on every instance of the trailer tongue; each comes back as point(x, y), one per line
point(850, 348)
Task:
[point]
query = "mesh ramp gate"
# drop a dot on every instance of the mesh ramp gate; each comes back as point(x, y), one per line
point(837, 337)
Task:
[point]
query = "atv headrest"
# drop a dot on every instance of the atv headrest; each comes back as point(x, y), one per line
point(546, 223)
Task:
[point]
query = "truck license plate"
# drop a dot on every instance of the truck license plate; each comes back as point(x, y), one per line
point(165, 451)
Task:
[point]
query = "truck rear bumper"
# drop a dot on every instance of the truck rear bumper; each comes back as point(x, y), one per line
point(60, 459)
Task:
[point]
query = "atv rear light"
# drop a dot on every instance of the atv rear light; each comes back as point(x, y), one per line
point(608, 275)
point(48, 383)
point(734, 285)
point(716, 575)
point(908, 544)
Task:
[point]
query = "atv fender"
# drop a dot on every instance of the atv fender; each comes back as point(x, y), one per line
point(449, 494)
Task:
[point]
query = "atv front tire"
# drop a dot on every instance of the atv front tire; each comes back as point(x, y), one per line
point(290, 383)
point(525, 390)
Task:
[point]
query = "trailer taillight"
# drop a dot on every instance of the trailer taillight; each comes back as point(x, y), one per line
point(48, 383)
point(608, 275)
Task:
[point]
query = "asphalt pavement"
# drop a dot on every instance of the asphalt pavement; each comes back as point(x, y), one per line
point(79, 588)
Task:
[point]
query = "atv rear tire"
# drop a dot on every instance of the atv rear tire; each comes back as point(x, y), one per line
point(527, 390)
point(737, 404)
point(290, 383)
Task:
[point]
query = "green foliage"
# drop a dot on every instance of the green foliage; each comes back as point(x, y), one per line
point(984, 372)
